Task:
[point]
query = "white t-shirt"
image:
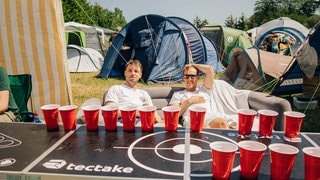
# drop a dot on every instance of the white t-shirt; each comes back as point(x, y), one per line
point(180, 96)
point(124, 95)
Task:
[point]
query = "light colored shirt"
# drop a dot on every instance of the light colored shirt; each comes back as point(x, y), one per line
point(181, 96)
point(124, 95)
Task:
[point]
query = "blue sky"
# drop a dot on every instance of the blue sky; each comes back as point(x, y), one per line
point(215, 11)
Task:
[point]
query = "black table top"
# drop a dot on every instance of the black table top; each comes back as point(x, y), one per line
point(22, 143)
point(31, 150)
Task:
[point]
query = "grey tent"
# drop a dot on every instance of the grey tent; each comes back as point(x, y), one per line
point(87, 36)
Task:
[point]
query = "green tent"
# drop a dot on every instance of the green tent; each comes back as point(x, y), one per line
point(225, 38)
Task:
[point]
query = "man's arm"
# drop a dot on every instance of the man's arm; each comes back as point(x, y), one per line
point(185, 104)
point(209, 74)
point(4, 90)
point(4, 101)
point(158, 118)
point(107, 103)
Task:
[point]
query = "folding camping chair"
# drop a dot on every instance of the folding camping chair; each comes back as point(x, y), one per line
point(21, 87)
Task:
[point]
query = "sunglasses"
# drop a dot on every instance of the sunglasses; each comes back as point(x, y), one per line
point(187, 76)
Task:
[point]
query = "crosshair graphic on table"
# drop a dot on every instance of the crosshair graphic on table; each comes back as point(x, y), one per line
point(169, 148)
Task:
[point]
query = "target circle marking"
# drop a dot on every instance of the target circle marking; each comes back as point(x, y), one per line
point(194, 149)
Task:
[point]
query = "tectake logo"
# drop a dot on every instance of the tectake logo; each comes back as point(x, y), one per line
point(59, 163)
point(55, 164)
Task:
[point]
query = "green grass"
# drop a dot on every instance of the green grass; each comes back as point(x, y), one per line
point(86, 85)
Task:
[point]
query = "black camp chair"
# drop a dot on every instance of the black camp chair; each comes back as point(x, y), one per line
point(21, 87)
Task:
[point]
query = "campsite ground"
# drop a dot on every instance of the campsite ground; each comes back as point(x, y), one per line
point(86, 85)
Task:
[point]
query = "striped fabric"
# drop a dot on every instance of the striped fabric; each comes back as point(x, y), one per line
point(32, 41)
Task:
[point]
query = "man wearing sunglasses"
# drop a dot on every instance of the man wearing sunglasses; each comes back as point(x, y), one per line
point(197, 95)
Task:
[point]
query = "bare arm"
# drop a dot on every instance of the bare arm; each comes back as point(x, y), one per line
point(158, 118)
point(185, 104)
point(107, 103)
point(209, 74)
point(4, 101)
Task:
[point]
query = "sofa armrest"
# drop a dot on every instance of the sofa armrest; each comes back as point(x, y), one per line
point(259, 100)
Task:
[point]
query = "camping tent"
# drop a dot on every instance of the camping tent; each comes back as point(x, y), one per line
point(156, 41)
point(86, 46)
point(225, 38)
point(260, 70)
point(160, 44)
point(212, 56)
point(87, 36)
point(203, 50)
point(193, 38)
point(283, 25)
point(32, 41)
point(83, 59)
point(308, 57)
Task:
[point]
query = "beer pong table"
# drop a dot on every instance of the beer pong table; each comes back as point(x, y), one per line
point(125, 155)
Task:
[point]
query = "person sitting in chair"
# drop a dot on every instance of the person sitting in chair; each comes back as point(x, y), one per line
point(8, 106)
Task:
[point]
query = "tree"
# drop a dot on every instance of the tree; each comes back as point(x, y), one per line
point(108, 19)
point(82, 12)
point(231, 22)
point(266, 10)
point(242, 23)
point(200, 23)
point(301, 11)
point(76, 11)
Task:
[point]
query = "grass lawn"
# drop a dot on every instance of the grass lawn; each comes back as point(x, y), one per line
point(86, 85)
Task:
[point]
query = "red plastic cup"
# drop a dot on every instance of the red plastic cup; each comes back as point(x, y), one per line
point(251, 155)
point(128, 115)
point(147, 117)
point(282, 157)
point(50, 113)
point(311, 163)
point(68, 115)
point(91, 116)
point(223, 154)
point(110, 117)
point(246, 118)
point(293, 122)
point(197, 116)
point(171, 117)
point(267, 119)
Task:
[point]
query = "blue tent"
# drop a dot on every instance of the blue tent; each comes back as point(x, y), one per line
point(202, 49)
point(156, 41)
point(212, 56)
point(161, 44)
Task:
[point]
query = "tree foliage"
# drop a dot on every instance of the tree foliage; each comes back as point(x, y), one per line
point(231, 21)
point(200, 23)
point(303, 11)
point(82, 12)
